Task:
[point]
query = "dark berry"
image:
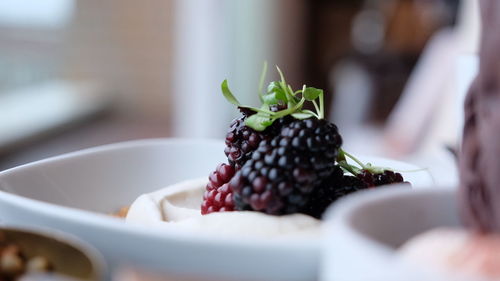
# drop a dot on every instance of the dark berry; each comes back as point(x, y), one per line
point(284, 171)
point(218, 196)
point(377, 179)
point(334, 187)
point(241, 140)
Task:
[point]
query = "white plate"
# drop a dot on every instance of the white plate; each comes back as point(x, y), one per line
point(363, 232)
point(72, 192)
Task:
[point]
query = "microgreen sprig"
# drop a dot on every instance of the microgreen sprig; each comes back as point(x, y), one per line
point(279, 93)
point(342, 161)
point(354, 170)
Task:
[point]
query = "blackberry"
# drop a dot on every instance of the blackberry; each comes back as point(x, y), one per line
point(242, 140)
point(218, 196)
point(284, 171)
point(334, 187)
point(376, 179)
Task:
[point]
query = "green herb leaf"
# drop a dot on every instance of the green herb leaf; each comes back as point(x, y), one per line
point(270, 99)
point(259, 121)
point(311, 93)
point(274, 98)
point(263, 109)
point(274, 94)
point(302, 115)
point(273, 87)
point(227, 93)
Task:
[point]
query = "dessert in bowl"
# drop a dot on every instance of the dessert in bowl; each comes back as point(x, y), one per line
point(177, 207)
point(284, 166)
point(76, 192)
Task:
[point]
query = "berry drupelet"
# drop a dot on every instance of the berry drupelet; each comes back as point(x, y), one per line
point(218, 196)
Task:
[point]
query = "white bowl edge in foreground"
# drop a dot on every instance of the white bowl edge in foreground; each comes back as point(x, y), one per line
point(362, 233)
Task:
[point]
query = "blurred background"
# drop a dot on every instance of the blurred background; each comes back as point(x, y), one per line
point(75, 74)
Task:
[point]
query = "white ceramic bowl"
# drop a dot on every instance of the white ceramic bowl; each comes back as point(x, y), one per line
point(363, 232)
point(72, 193)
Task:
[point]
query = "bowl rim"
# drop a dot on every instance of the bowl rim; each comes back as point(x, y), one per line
point(341, 215)
point(112, 147)
point(116, 224)
point(104, 221)
point(96, 258)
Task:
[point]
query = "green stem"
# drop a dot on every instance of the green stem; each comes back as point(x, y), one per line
point(258, 109)
point(353, 158)
point(341, 155)
point(261, 81)
point(310, 112)
point(321, 107)
point(351, 169)
point(289, 97)
point(318, 111)
point(279, 114)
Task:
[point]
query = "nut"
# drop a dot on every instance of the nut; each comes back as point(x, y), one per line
point(11, 249)
point(38, 264)
point(11, 263)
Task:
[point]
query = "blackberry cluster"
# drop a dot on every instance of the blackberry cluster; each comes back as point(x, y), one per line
point(377, 179)
point(218, 196)
point(284, 171)
point(284, 162)
point(241, 140)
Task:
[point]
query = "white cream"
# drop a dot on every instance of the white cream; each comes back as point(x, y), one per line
point(178, 207)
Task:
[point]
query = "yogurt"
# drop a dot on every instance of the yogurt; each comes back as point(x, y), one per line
point(177, 207)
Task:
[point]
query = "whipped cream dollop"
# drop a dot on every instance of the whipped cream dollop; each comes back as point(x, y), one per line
point(177, 207)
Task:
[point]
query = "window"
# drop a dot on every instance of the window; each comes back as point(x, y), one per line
point(31, 34)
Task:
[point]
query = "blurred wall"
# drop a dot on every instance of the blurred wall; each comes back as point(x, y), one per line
point(219, 39)
point(165, 60)
point(127, 46)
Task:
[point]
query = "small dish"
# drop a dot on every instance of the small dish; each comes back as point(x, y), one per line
point(363, 232)
point(68, 256)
